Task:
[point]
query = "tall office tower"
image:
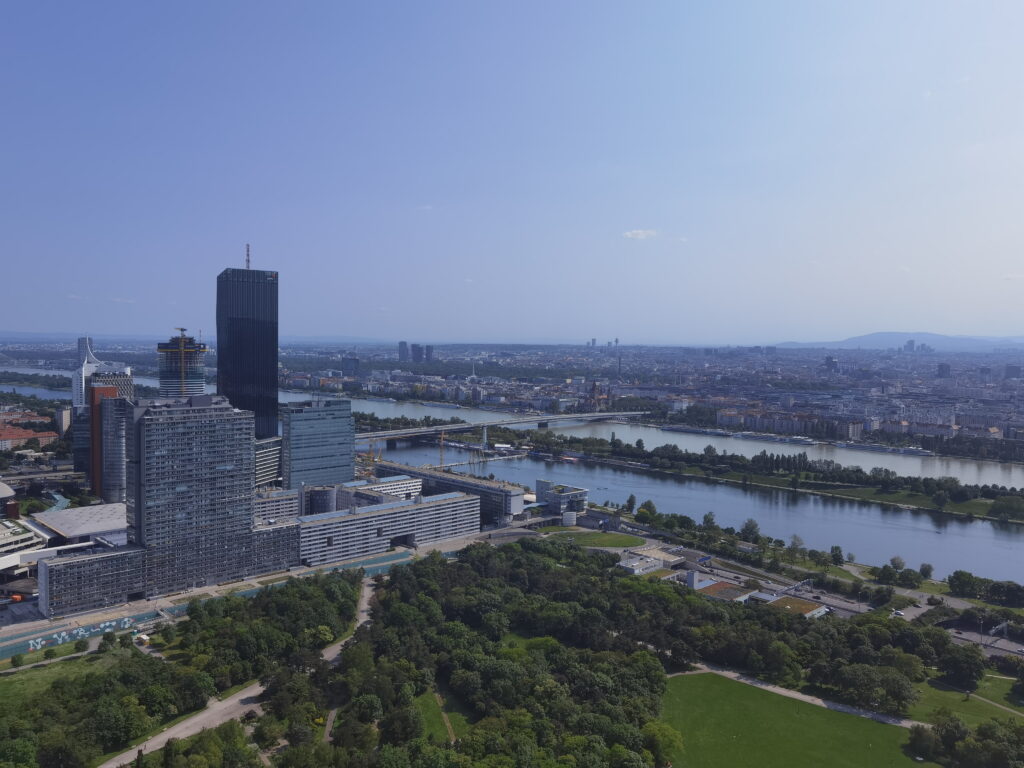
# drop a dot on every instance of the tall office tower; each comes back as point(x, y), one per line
point(247, 344)
point(403, 352)
point(182, 373)
point(417, 353)
point(190, 491)
point(318, 443)
point(91, 372)
point(97, 394)
point(112, 465)
point(428, 353)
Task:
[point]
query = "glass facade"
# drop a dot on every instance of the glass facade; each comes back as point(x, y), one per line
point(247, 344)
point(318, 443)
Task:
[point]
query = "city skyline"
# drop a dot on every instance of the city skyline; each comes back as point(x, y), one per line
point(828, 170)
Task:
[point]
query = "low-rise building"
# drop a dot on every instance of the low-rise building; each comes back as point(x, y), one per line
point(563, 500)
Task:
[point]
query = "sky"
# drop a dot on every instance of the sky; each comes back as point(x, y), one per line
point(661, 172)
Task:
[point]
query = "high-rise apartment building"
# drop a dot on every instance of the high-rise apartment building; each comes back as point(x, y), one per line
point(318, 442)
point(182, 373)
point(247, 344)
point(417, 353)
point(428, 353)
point(190, 491)
point(403, 352)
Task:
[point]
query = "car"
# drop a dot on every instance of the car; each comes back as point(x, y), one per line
point(897, 613)
point(1020, 650)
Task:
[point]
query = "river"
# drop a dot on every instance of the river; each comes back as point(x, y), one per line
point(874, 533)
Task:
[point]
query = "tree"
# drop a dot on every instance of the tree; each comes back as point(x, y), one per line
point(649, 506)
point(926, 570)
point(940, 499)
point(661, 739)
point(963, 584)
point(750, 531)
point(81, 645)
point(708, 522)
point(630, 504)
point(897, 562)
point(963, 665)
point(836, 553)
point(50, 653)
point(17, 659)
point(923, 741)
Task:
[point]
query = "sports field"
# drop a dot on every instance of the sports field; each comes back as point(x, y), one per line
point(726, 723)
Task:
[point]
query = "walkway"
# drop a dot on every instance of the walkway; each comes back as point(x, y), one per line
point(825, 703)
point(332, 653)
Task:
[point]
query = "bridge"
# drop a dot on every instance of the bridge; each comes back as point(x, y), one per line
point(540, 419)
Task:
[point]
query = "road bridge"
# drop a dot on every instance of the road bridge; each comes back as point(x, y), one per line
point(540, 419)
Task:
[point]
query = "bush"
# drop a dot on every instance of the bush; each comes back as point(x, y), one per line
point(17, 659)
point(50, 653)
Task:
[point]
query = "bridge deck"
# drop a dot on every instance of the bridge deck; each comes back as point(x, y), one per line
point(391, 434)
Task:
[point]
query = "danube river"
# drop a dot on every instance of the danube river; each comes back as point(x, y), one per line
point(873, 532)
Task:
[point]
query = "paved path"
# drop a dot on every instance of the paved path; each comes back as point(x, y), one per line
point(825, 703)
point(217, 712)
point(332, 653)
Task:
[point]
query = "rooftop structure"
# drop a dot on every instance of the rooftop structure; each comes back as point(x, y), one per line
point(77, 523)
point(798, 605)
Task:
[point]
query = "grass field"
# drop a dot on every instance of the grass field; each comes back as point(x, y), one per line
point(1000, 690)
point(598, 539)
point(34, 657)
point(28, 682)
point(726, 723)
point(433, 723)
point(973, 711)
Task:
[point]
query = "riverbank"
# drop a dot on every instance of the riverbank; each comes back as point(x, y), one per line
point(902, 500)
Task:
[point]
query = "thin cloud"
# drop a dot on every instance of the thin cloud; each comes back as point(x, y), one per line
point(640, 234)
point(119, 300)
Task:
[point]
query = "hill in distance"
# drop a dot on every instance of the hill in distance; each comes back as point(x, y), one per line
point(896, 339)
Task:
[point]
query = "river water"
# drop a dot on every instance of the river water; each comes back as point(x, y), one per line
point(873, 532)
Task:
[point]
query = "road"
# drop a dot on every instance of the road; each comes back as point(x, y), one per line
point(220, 711)
point(217, 712)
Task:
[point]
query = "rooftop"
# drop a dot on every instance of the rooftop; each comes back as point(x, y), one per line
point(84, 521)
point(795, 605)
point(723, 590)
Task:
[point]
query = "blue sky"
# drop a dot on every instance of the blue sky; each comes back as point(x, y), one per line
point(664, 172)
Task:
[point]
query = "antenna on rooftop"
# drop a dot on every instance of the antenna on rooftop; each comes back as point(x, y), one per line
point(247, 256)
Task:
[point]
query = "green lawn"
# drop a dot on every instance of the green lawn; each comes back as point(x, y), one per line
point(556, 528)
point(599, 539)
point(935, 694)
point(34, 657)
point(1000, 690)
point(28, 682)
point(433, 723)
point(726, 723)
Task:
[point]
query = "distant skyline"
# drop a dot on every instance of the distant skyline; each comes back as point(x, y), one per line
point(664, 173)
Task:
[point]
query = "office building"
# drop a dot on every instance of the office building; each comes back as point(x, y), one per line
point(190, 494)
point(113, 420)
point(428, 353)
point(350, 366)
point(182, 373)
point(247, 344)
point(97, 394)
point(403, 352)
point(562, 500)
point(417, 353)
point(318, 442)
point(105, 377)
point(500, 502)
point(344, 534)
point(268, 461)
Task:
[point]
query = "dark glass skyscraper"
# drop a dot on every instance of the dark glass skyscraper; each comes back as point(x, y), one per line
point(247, 344)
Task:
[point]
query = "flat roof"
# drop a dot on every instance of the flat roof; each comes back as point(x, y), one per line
point(795, 605)
point(84, 521)
point(723, 590)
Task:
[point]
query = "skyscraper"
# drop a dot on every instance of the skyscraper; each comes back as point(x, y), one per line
point(181, 366)
point(403, 352)
point(190, 491)
point(428, 353)
point(89, 373)
point(317, 443)
point(247, 344)
point(417, 353)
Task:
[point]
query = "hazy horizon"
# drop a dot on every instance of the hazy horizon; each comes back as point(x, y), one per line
point(664, 173)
